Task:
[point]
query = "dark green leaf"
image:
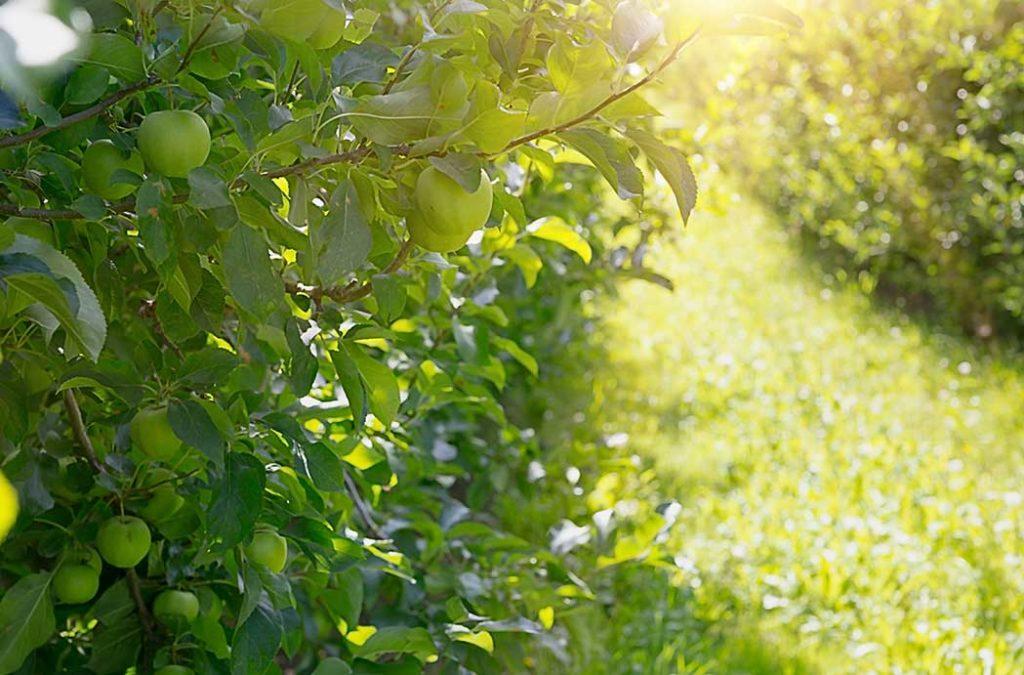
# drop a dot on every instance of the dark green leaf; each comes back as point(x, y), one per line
point(26, 619)
point(341, 241)
point(256, 642)
point(252, 283)
point(194, 427)
point(237, 499)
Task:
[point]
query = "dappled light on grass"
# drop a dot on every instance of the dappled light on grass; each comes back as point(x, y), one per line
point(850, 481)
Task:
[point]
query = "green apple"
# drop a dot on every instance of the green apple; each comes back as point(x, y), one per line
point(447, 208)
point(85, 555)
point(269, 549)
point(329, 31)
point(163, 504)
point(173, 142)
point(99, 163)
point(294, 20)
point(634, 29)
point(173, 670)
point(427, 238)
point(31, 227)
point(152, 434)
point(75, 584)
point(176, 608)
point(123, 541)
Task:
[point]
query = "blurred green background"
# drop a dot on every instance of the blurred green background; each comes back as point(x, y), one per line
point(808, 457)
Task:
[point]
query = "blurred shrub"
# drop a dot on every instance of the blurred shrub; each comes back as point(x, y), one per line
point(892, 134)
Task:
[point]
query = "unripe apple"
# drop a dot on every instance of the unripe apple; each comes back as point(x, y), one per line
point(173, 142)
point(123, 541)
point(173, 670)
point(447, 208)
point(74, 584)
point(152, 434)
point(99, 163)
point(269, 549)
point(176, 608)
point(634, 29)
point(163, 504)
point(425, 237)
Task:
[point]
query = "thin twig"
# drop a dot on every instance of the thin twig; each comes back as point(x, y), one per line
point(362, 508)
point(110, 101)
point(81, 115)
point(407, 56)
point(78, 428)
point(590, 114)
point(145, 618)
point(359, 153)
point(195, 41)
point(353, 290)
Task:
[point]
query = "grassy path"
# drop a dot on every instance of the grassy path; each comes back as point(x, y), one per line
point(853, 484)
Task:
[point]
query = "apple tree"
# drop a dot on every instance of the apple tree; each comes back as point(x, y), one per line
point(253, 338)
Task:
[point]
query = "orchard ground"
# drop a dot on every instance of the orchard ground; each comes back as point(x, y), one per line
point(849, 479)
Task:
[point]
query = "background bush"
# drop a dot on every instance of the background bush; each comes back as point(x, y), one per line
point(890, 134)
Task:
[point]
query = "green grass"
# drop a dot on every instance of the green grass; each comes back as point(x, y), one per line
point(852, 481)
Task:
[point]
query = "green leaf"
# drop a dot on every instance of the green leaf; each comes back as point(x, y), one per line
point(252, 283)
point(26, 619)
point(462, 168)
point(673, 167)
point(610, 157)
point(207, 190)
point(153, 205)
point(119, 55)
point(332, 665)
point(381, 384)
point(86, 84)
point(361, 25)
point(256, 642)
point(355, 391)
point(345, 602)
point(572, 67)
point(390, 296)
point(304, 365)
point(194, 427)
point(527, 260)
point(397, 640)
point(367, 62)
point(517, 352)
point(88, 329)
point(488, 125)
point(434, 103)
point(556, 230)
point(209, 365)
point(341, 241)
point(237, 499)
point(325, 468)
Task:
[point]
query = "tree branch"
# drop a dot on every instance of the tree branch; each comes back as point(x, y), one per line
point(352, 291)
point(187, 56)
point(80, 116)
point(145, 618)
point(110, 101)
point(359, 153)
point(590, 114)
point(78, 428)
point(362, 508)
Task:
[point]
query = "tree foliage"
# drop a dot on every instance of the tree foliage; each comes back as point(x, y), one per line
point(892, 138)
point(253, 345)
